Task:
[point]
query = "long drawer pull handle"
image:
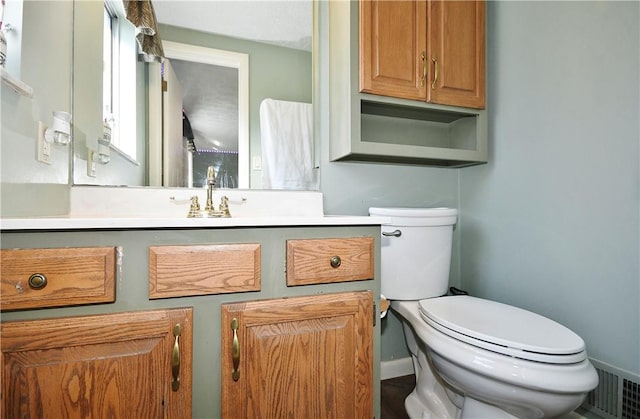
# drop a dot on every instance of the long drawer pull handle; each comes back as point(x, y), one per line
point(394, 233)
point(435, 73)
point(425, 65)
point(175, 359)
point(235, 374)
point(37, 281)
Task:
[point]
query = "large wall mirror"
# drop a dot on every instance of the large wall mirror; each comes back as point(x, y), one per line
point(231, 59)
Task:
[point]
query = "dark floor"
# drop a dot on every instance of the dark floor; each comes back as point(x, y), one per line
point(392, 394)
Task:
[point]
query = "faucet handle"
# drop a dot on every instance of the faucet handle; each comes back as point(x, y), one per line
point(194, 209)
point(224, 207)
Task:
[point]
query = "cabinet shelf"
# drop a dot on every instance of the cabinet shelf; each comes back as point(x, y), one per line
point(400, 108)
point(15, 84)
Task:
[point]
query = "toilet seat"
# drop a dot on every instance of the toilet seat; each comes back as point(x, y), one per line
point(503, 329)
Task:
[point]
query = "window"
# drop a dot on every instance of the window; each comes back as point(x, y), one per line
point(107, 64)
point(119, 80)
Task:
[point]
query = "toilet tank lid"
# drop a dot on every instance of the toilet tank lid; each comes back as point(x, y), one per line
point(416, 216)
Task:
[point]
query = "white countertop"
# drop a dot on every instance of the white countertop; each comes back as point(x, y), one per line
point(150, 208)
point(89, 223)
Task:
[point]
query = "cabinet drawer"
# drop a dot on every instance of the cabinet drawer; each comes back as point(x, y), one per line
point(178, 271)
point(321, 261)
point(68, 276)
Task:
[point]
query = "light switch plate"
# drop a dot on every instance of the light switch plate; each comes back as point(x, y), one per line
point(44, 148)
point(257, 163)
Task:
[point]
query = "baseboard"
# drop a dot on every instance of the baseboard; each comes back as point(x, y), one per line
point(396, 368)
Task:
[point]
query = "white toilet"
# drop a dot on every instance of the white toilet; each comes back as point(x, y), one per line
point(473, 358)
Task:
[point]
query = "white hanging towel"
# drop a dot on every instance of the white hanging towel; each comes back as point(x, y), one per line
point(286, 135)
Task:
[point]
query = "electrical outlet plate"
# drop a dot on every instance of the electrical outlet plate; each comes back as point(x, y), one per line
point(91, 163)
point(257, 163)
point(44, 148)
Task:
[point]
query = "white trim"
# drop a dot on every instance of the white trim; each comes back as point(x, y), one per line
point(18, 86)
point(124, 154)
point(226, 59)
point(154, 128)
point(396, 368)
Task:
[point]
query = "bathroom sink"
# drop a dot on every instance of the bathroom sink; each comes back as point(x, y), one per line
point(116, 202)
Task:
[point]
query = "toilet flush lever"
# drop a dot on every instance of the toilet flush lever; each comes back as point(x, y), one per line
point(395, 233)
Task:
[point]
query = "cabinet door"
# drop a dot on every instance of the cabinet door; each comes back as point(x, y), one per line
point(302, 357)
point(431, 50)
point(117, 365)
point(457, 53)
point(393, 54)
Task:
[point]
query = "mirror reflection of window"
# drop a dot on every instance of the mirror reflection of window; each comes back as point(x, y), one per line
point(107, 63)
point(119, 79)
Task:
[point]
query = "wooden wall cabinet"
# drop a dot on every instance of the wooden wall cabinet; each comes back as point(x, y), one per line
point(388, 101)
point(431, 50)
point(303, 357)
point(113, 365)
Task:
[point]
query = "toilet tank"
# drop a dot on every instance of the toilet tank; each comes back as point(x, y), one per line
point(415, 251)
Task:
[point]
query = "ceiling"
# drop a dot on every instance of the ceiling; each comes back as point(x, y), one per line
point(272, 21)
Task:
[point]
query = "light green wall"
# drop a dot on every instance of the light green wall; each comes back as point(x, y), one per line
point(46, 67)
point(274, 72)
point(552, 223)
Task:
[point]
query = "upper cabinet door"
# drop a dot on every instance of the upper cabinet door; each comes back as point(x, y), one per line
point(457, 53)
point(393, 48)
point(431, 51)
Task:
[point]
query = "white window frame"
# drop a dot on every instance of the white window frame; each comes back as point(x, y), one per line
point(123, 77)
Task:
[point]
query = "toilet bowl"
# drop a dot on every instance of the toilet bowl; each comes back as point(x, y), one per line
point(504, 381)
point(473, 358)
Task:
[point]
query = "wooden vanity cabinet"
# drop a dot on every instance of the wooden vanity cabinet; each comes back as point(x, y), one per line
point(312, 345)
point(134, 364)
point(303, 357)
point(430, 50)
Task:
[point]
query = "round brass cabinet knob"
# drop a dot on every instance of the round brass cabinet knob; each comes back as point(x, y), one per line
point(335, 261)
point(37, 281)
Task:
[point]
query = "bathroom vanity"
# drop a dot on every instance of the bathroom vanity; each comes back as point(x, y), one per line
point(207, 318)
